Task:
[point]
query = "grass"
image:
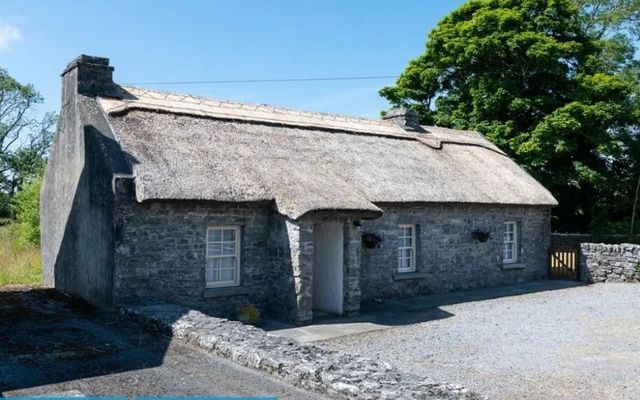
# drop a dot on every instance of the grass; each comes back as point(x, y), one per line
point(19, 264)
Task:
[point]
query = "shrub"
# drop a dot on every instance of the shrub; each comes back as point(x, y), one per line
point(249, 314)
point(26, 206)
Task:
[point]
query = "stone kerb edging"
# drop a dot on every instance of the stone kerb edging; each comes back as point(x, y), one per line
point(308, 366)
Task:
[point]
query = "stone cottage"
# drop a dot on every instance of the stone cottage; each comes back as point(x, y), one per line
point(163, 197)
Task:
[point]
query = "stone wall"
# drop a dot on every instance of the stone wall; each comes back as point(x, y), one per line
point(609, 262)
point(328, 372)
point(160, 254)
point(77, 200)
point(301, 250)
point(448, 257)
point(352, 267)
point(291, 246)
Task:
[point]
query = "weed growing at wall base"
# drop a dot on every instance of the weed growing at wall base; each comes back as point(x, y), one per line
point(19, 263)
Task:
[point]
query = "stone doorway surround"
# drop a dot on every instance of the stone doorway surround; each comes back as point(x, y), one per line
point(301, 242)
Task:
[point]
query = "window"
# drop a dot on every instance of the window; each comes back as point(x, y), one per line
point(406, 248)
point(223, 256)
point(510, 252)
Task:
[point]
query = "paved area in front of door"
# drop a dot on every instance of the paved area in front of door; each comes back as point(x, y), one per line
point(575, 342)
point(398, 312)
point(54, 345)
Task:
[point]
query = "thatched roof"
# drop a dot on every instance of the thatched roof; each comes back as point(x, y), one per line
point(187, 147)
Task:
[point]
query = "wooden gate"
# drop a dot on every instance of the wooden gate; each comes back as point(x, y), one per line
point(564, 263)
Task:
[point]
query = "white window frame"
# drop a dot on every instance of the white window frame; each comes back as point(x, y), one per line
point(515, 243)
point(412, 259)
point(236, 281)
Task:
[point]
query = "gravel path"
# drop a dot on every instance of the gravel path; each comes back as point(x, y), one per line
point(576, 343)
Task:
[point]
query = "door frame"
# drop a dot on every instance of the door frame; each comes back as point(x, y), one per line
point(328, 268)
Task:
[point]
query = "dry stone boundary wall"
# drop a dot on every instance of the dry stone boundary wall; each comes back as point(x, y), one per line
point(335, 374)
point(609, 262)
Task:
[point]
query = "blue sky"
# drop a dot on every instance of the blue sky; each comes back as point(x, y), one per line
point(224, 40)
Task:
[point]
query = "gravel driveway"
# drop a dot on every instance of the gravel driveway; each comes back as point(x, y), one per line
point(575, 343)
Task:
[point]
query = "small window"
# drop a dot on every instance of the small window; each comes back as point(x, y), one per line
point(406, 248)
point(510, 252)
point(223, 256)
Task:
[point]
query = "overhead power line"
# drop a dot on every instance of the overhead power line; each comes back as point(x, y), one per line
point(339, 78)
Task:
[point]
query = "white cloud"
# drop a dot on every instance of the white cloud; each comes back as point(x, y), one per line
point(8, 35)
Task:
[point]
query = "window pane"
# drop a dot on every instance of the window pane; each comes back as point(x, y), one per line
point(215, 235)
point(212, 275)
point(213, 263)
point(406, 242)
point(228, 262)
point(229, 249)
point(222, 263)
point(509, 232)
point(214, 249)
point(227, 275)
point(508, 251)
point(229, 235)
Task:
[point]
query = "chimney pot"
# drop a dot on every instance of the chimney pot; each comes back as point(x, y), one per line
point(404, 117)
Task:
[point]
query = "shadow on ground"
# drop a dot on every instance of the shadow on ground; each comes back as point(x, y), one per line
point(49, 338)
point(397, 312)
point(54, 345)
point(422, 303)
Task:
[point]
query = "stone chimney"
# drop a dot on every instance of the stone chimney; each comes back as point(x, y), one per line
point(88, 76)
point(406, 118)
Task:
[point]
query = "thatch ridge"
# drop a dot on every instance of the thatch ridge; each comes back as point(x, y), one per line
point(203, 107)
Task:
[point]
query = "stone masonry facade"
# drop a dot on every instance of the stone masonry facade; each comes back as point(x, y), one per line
point(160, 254)
point(448, 257)
point(609, 262)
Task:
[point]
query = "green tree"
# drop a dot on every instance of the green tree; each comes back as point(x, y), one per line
point(26, 205)
point(554, 83)
point(24, 140)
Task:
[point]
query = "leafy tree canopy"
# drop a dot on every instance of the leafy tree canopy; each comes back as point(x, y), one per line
point(24, 140)
point(552, 82)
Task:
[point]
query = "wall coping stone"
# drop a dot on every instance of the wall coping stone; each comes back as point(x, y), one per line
point(308, 366)
point(611, 248)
